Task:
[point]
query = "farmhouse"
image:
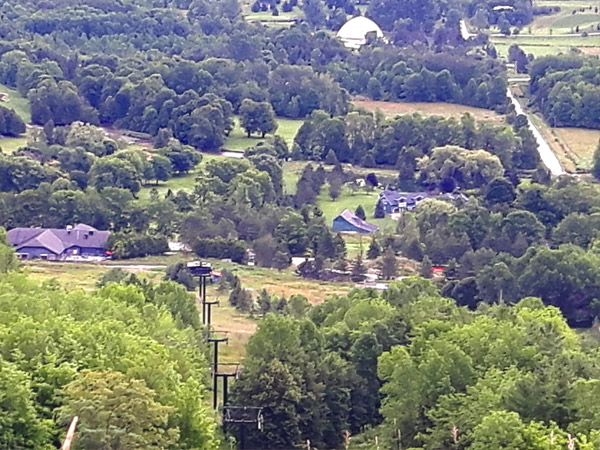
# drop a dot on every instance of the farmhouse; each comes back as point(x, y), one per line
point(354, 32)
point(348, 221)
point(396, 201)
point(81, 241)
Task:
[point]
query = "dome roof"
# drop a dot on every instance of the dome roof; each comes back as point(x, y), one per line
point(353, 33)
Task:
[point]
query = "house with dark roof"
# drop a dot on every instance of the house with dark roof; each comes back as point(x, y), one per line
point(348, 221)
point(395, 201)
point(59, 244)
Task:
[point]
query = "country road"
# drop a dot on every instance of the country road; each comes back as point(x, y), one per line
point(546, 154)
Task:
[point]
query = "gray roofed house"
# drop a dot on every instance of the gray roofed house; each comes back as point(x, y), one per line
point(348, 221)
point(396, 201)
point(56, 244)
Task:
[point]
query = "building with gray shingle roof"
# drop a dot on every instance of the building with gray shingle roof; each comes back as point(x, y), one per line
point(54, 243)
point(348, 221)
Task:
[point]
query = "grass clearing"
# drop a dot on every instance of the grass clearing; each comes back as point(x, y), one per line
point(180, 183)
point(545, 45)
point(392, 109)
point(581, 142)
point(267, 16)
point(12, 144)
point(238, 140)
point(574, 147)
point(564, 21)
point(293, 169)
point(17, 102)
point(348, 200)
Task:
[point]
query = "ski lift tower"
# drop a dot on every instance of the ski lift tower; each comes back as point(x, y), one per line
point(243, 416)
point(202, 270)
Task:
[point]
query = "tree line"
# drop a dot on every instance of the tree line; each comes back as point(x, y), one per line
point(566, 89)
point(408, 143)
point(109, 364)
point(204, 69)
point(409, 368)
point(507, 244)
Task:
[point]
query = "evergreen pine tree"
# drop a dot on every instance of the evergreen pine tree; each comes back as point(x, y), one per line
point(596, 163)
point(340, 246)
point(331, 158)
point(426, 269)
point(360, 212)
point(379, 211)
point(389, 264)
point(358, 269)
point(374, 250)
point(264, 302)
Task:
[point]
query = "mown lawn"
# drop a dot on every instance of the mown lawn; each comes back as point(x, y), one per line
point(17, 102)
point(293, 169)
point(349, 200)
point(185, 182)
point(12, 144)
point(238, 140)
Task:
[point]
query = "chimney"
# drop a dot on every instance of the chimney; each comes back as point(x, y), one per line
point(69, 228)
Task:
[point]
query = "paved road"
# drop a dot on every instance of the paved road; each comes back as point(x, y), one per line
point(546, 154)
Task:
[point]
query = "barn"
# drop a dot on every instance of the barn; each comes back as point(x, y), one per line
point(347, 221)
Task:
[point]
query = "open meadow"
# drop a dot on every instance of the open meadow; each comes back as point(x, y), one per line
point(238, 140)
point(393, 109)
point(238, 326)
point(17, 102)
point(546, 45)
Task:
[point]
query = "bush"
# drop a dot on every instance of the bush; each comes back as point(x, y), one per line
point(222, 248)
point(179, 273)
point(135, 245)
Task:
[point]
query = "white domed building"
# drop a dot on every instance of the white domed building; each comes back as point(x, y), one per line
point(354, 32)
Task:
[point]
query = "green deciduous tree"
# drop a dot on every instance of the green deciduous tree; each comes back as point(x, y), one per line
point(257, 117)
point(117, 413)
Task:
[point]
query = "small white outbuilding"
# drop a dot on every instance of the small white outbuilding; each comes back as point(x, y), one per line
point(354, 32)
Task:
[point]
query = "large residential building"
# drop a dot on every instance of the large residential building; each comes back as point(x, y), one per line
point(395, 201)
point(59, 244)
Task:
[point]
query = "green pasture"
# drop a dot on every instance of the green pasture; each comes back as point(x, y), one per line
point(545, 45)
point(349, 200)
point(17, 102)
point(238, 140)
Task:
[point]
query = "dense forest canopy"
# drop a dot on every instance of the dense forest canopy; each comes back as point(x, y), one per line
point(504, 377)
point(479, 357)
point(127, 359)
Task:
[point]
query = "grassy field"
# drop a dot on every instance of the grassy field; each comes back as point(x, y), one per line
point(348, 200)
point(238, 327)
point(11, 144)
point(185, 182)
point(545, 45)
point(581, 142)
point(293, 169)
point(238, 140)
point(392, 109)
point(21, 106)
point(266, 16)
point(574, 147)
point(564, 21)
point(17, 102)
